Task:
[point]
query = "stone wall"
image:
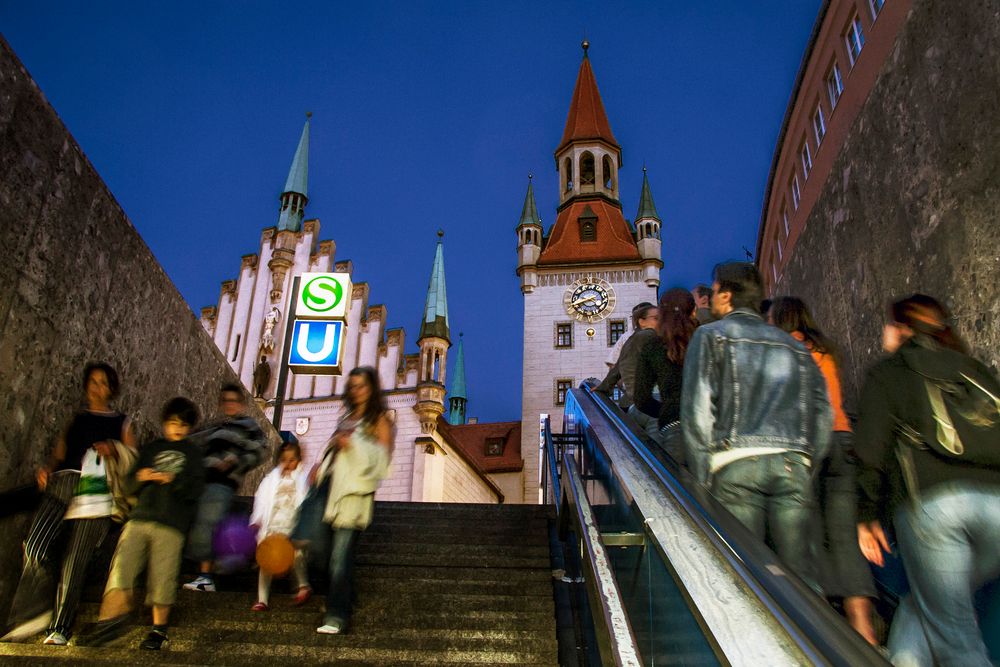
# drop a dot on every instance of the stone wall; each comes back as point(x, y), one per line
point(913, 201)
point(79, 284)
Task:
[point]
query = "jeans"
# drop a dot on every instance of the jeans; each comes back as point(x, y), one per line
point(212, 508)
point(950, 543)
point(339, 595)
point(772, 495)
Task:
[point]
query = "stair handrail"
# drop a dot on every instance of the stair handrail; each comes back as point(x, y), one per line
point(810, 623)
point(615, 638)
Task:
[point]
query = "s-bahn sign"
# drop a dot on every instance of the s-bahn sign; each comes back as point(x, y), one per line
point(317, 347)
point(323, 296)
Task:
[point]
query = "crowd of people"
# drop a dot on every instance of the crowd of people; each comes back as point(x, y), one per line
point(745, 393)
point(170, 497)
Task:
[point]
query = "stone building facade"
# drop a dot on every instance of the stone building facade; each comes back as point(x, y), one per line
point(80, 285)
point(912, 198)
point(581, 279)
point(248, 326)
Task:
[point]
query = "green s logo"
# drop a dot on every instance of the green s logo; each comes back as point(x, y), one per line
point(322, 293)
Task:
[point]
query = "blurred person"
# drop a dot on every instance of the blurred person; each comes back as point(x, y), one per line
point(355, 461)
point(83, 501)
point(231, 447)
point(703, 304)
point(645, 319)
point(847, 573)
point(661, 365)
point(167, 478)
point(755, 417)
point(275, 506)
point(927, 437)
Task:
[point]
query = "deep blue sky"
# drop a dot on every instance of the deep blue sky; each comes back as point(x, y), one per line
point(426, 115)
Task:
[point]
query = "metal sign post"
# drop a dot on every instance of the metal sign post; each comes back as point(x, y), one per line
point(286, 349)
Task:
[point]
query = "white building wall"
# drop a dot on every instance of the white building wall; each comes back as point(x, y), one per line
point(461, 484)
point(544, 364)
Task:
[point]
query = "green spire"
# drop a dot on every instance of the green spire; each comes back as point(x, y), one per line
point(435, 322)
point(458, 399)
point(298, 175)
point(647, 209)
point(529, 214)
point(294, 196)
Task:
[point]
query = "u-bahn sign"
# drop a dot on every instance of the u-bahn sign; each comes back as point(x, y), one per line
point(323, 296)
point(317, 347)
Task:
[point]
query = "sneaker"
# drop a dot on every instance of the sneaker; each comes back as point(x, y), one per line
point(259, 606)
point(29, 628)
point(303, 596)
point(155, 641)
point(203, 583)
point(56, 639)
point(104, 632)
point(328, 629)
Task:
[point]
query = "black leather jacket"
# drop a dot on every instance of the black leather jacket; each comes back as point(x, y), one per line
point(749, 384)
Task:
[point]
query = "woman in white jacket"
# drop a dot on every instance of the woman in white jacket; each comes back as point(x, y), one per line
point(275, 508)
point(355, 461)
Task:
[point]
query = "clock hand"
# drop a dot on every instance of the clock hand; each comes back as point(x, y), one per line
point(584, 300)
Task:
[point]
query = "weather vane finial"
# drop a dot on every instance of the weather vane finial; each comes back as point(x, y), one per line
point(309, 114)
point(440, 233)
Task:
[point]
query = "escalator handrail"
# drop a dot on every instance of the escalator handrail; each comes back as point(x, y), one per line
point(615, 638)
point(809, 621)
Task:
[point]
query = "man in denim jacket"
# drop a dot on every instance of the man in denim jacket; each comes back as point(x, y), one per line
point(755, 416)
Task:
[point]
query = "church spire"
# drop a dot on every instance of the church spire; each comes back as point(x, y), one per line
point(294, 196)
point(458, 397)
point(435, 322)
point(529, 213)
point(587, 120)
point(647, 209)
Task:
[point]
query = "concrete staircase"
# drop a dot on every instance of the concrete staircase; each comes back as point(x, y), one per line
point(437, 584)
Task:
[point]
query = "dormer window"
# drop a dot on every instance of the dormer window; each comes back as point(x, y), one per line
point(588, 225)
point(494, 446)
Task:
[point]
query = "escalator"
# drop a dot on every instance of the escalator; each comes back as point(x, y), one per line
point(671, 577)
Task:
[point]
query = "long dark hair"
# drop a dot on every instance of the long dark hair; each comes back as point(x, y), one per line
point(376, 403)
point(109, 372)
point(928, 318)
point(790, 313)
point(676, 325)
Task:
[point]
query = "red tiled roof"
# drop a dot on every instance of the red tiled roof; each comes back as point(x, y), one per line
point(614, 237)
point(471, 438)
point(586, 119)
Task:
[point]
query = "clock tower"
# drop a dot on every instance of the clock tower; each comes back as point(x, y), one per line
point(581, 279)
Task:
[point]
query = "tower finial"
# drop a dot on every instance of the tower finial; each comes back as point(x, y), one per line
point(440, 234)
point(586, 45)
point(309, 114)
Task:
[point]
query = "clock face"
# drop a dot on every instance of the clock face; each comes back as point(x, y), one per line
point(589, 300)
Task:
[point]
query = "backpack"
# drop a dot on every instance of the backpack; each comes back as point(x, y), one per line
point(964, 419)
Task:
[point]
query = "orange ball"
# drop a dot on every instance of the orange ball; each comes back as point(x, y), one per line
point(275, 555)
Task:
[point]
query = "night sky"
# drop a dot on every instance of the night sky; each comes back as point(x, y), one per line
point(425, 116)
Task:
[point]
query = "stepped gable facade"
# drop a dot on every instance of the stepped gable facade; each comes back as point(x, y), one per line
point(581, 277)
point(248, 326)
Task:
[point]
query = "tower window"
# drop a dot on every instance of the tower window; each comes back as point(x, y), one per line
point(564, 335)
point(587, 169)
point(806, 157)
point(568, 168)
point(793, 185)
point(876, 6)
point(562, 388)
point(588, 225)
point(784, 220)
point(606, 169)
point(819, 124)
point(616, 329)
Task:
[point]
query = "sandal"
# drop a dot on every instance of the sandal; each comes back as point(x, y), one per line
point(259, 606)
point(303, 596)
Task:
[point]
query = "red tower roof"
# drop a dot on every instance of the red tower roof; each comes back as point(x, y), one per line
point(586, 119)
point(612, 238)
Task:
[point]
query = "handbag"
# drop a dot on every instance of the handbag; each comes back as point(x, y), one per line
point(310, 532)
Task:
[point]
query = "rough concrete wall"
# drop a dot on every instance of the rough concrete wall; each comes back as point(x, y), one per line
point(78, 284)
point(913, 201)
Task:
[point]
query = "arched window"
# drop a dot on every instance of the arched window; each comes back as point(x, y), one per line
point(586, 169)
point(608, 173)
point(568, 169)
